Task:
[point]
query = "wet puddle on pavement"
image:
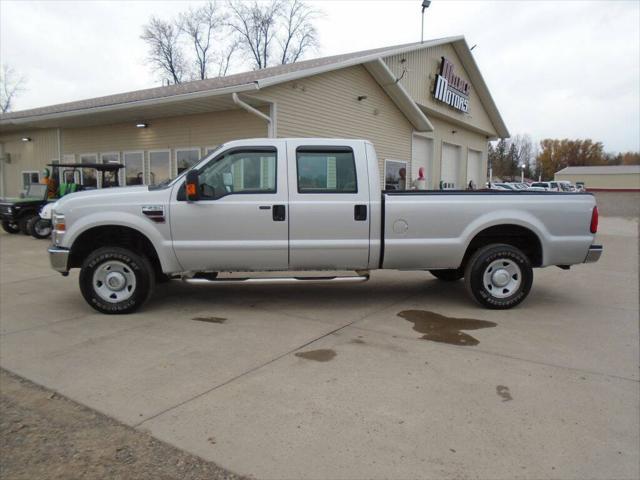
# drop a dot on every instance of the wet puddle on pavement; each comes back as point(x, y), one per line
point(210, 319)
point(441, 329)
point(504, 393)
point(321, 355)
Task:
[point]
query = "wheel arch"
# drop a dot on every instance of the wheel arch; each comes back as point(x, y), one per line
point(519, 236)
point(113, 236)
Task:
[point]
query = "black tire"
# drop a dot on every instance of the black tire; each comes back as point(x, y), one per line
point(39, 227)
point(23, 223)
point(502, 257)
point(136, 265)
point(450, 275)
point(10, 227)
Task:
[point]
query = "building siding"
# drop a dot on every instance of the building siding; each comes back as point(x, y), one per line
point(25, 156)
point(621, 181)
point(327, 106)
point(419, 79)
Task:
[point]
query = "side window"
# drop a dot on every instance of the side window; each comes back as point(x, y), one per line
point(240, 171)
point(326, 170)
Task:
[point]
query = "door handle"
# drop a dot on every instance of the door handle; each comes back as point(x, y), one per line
point(279, 213)
point(360, 213)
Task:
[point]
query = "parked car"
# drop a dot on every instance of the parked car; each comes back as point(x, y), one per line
point(506, 186)
point(567, 186)
point(310, 204)
point(548, 186)
point(19, 214)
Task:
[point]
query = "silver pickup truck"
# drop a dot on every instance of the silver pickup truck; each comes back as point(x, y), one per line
point(311, 205)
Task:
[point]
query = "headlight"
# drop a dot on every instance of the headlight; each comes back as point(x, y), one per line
point(58, 223)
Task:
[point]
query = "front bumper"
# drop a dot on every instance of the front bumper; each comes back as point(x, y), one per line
point(59, 258)
point(594, 254)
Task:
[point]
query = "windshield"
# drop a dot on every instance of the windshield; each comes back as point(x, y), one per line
point(36, 190)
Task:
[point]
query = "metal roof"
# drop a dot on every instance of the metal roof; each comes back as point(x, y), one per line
point(250, 81)
point(600, 170)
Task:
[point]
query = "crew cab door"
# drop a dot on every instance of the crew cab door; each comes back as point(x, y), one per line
point(329, 210)
point(240, 222)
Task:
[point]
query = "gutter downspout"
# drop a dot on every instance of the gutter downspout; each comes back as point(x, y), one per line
point(3, 167)
point(59, 146)
point(254, 111)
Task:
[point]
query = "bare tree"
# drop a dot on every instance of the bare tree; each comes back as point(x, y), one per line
point(11, 84)
point(201, 26)
point(224, 58)
point(255, 26)
point(298, 33)
point(165, 51)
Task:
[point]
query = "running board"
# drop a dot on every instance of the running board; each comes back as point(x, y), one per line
point(277, 280)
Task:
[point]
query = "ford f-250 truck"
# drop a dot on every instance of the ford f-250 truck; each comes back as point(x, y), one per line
point(311, 204)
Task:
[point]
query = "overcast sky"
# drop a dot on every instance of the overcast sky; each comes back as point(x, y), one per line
point(555, 69)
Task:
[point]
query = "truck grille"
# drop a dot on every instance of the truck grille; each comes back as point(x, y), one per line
point(5, 210)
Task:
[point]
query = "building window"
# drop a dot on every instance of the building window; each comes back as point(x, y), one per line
point(326, 170)
point(186, 158)
point(251, 171)
point(133, 168)
point(159, 166)
point(395, 175)
point(88, 177)
point(29, 178)
point(69, 175)
point(110, 179)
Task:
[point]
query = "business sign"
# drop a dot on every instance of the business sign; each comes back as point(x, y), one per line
point(450, 88)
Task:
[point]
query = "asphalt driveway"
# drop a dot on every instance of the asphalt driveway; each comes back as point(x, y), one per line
point(400, 377)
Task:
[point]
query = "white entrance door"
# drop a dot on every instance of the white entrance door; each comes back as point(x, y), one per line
point(422, 156)
point(451, 159)
point(474, 169)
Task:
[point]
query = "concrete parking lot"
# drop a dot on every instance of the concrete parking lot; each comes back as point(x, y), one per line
point(400, 377)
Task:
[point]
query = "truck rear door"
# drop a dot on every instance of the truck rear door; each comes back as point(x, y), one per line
point(329, 212)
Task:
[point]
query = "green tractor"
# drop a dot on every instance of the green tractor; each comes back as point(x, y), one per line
point(31, 212)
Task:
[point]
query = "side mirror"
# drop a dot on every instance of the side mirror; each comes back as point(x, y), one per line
point(192, 187)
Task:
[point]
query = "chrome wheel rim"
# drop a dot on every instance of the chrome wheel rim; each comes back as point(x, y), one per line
point(114, 281)
point(42, 229)
point(502, 278)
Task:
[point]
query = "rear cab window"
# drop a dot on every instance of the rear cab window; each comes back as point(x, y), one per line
point(326, 170)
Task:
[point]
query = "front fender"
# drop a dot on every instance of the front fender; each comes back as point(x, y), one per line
point(158, 233)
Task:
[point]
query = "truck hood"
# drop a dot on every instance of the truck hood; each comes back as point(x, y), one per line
point(101, 196)
point(20, 201)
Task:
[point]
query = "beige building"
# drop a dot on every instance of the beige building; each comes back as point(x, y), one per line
point(613, 177)
point(422, 105)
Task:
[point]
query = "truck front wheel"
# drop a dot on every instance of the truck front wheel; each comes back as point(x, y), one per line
point(499, 276)
point(10, 227)
point(115, 280)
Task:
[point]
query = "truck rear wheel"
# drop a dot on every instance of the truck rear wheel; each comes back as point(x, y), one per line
point(10, 227)
point(115, 280)
point(499, 276)
point(449, 275)
point(25, 221)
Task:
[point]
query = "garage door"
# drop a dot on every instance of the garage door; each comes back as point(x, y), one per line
point(422, 157)
point(474, 169)
point(450, 172)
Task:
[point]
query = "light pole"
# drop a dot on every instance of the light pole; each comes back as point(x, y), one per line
point(522, 167)
point(425, 5)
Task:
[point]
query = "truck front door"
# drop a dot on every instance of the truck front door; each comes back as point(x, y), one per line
point(240, 222)
point(328, 206)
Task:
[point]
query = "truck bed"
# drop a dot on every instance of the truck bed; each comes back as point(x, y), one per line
point(432, 229)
